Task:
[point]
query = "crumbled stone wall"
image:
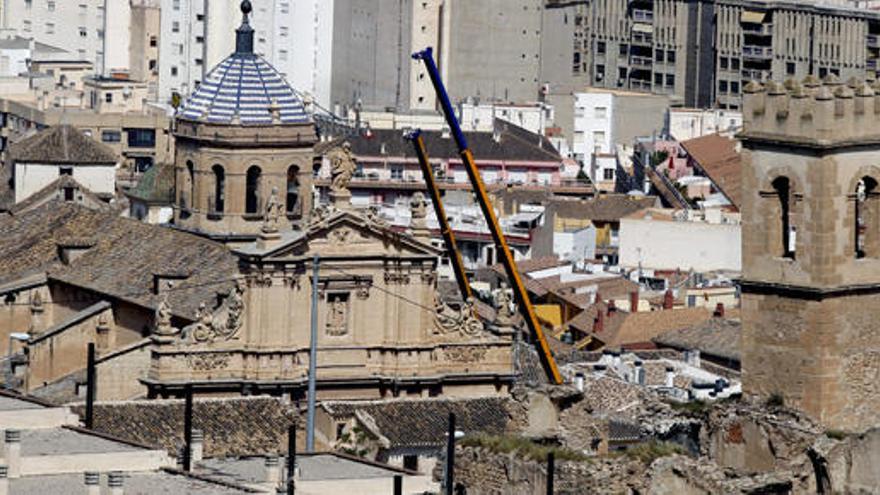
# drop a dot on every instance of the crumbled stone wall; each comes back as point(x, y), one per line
point(232, 427)
point(483, 472)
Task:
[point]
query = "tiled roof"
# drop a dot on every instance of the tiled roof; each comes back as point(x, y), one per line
point(125, 256)
point(62, 144)
point(55, 191)
point(513, 144)
point(604, 208)
point(717, 157)
point(156, 185)
point(717, 337)
point(232, 426)
point(423, 423)
point(244, 89)
point(622, 328)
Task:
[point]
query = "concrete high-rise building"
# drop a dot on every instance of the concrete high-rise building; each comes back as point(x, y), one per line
point(77, 26)
point(143, 50)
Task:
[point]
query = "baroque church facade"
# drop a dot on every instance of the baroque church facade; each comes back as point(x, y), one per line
point(243, 171)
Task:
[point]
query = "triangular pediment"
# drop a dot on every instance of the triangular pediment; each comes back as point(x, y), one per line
point(346, 234)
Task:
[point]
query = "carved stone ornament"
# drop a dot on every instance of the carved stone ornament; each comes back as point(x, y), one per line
point(418, 211)
point(292, 280)
point(273, 213)
point(162, 319)
point(340, 236)
point(337, 315)
point(36, 303)
point(396, 278)
point(342, 168)
point(505, 316)
point(448, 320)
point(222, 323)
point(207, 362)
point(375, 219)
point(468, 354)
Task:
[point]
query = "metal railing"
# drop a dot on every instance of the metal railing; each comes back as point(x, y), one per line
point(640, 84)
point(642, 38)
point(757, 51)
point(640, 15)
point(758, 29)
point(755, 75)
point(637, 61)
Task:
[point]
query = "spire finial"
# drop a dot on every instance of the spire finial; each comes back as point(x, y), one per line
point(244, 35)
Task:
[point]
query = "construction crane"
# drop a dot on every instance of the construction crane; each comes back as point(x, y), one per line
point(519, 290)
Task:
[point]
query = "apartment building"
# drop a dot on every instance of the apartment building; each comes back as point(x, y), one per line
point(704, 52)
point(76, 26)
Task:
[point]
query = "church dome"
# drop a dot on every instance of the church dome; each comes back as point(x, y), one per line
point(245, 89)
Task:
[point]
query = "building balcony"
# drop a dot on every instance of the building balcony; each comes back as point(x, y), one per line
point(640, 85)
point(757, 52)
point(755, 75)
point(636, 61)
point(639, 38)
point(758, 29)
point(640, 15)
point(874, 41)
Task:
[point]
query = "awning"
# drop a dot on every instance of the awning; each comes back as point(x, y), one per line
point(753, 17)
point(643, 28)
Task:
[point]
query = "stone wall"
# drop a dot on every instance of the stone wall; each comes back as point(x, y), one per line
point(232, 427)
point(483, 472)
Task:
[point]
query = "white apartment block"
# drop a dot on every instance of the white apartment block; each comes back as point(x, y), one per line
point(593, 117)
point(196, 36)
point(689, 123)
point(78, 26)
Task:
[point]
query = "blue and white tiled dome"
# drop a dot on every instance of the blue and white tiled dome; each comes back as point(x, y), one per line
point(246, 85)
point(244, 89)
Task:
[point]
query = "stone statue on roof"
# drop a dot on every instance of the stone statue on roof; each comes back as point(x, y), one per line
point(162, 319)
point(273, 212)
point(504, 313)
point(418, 210)
point(342, 168)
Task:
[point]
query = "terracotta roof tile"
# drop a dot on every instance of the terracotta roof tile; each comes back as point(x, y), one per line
point(61, 144)
point(717, 157)
point(718, 336)
point(604, 208)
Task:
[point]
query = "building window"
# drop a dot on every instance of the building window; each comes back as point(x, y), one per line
point(734, 63)
point(175, 27)
point(722, 87)
point(734, 87)
point(50, 5)
point(724, 63)
point(621, 75)
point(292, 189)
point(28, 4)
point(600, 47)
point(608, 173)
point(252, 190)
point(141, 138)
point(83, 32)
point(108, 97)
point(670, 56)
point(153, 41)
point(175, 4)
point(599, 138)
point(50, 28)
point(397, 172)
point(411, 462)
point(601, 112)
point(600, 73)
point(285, 7)
point(282, 55)
point(866, 217)
point(284, 31)
point(65, 171)
point(337, 314)
point(790, 68)
point(624, 50)
point(658, 55)
point(26, 26)
point(200, 39)
point(198, 61)
point(217, 202)
point(173, 71)
point(111, 136)
point(788, 244)
point(658, 79)
point(152, 65)
point(186, 202)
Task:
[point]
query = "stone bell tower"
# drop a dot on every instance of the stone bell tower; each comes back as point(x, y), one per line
point(244, 145)
point(811, 248)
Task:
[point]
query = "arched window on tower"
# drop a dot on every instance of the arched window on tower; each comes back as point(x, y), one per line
point(292, 189)
point(252, 190)
point(217, 201)
point(788, 241)
point(189, 200)
point(866, 217)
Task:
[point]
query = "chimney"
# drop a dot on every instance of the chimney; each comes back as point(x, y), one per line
point(692, 358)
point(198, 443)
point(579, 381)
point(668, 299)
point(93, 482)
point(719, 310)
point(115, 481)
point(670, 376)
point(599, 322)
point(12, 453)
point(4, 481)
point(273, 470)
point(612, 307)
point(633, 301)
point(445, 133)
point(615, 358)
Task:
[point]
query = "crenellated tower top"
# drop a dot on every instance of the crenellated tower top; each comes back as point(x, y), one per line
point(812, 113)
